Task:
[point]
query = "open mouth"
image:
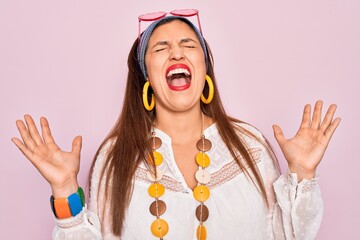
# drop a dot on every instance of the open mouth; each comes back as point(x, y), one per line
point(178, 77)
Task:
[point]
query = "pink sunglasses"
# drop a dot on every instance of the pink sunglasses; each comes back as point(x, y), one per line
point(158, 15)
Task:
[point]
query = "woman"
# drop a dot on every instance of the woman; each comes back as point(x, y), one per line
point(175, 166)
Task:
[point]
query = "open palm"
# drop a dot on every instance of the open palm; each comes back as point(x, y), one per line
point(305, 150)
point(58, 167)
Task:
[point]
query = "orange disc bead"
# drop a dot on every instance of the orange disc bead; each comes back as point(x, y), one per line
point(201, 232)
point(202, 159)
point(159, 228)
point(201, 193)
point(157, 158)
point(156, 190)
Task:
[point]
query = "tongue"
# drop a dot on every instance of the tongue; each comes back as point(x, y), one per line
point(176, 82)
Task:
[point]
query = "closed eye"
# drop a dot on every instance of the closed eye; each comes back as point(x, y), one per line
point(189, 43)
point(159, 50)
point(159, 46)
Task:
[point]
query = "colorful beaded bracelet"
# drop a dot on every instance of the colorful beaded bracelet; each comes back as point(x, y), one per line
point(68, 207)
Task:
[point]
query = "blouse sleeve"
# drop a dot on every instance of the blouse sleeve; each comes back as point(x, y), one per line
point(300, 206)
point(295, 209)
point(86, 225)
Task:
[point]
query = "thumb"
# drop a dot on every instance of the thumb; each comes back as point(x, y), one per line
point(76, 145)
point(279, 135)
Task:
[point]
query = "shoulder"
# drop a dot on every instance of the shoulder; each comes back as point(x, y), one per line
point(99, 167)
point(106, 147)
point(256, 141)
point(103, 153)
point(248, 131)
point(251, 137)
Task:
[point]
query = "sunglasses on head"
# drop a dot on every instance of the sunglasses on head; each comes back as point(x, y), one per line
point(158, 15)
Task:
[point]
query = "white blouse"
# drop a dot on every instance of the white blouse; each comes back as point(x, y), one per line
point(237, 210)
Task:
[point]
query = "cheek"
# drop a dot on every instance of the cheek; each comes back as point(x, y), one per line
point(198, 59)
point(154, 66)
point(148, 66)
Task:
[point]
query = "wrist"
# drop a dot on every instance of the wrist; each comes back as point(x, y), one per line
point(302, 173)
point(66, 189)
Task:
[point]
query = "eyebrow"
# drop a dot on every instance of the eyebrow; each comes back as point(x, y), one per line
point(160, 43)
point(184, 40)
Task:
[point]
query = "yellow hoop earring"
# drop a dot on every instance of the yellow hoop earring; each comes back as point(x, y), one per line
point(211, 91)
point(145, 97)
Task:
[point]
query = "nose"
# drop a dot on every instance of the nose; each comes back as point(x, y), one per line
point(176, 53)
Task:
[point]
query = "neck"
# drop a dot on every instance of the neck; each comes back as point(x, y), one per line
point(182, 127)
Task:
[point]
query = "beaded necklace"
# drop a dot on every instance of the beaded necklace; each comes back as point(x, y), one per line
point(201, 192)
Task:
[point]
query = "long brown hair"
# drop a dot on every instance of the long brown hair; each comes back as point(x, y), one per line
point(131, 131)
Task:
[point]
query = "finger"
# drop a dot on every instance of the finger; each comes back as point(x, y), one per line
point(328, 117)
point(76, 145)
point(23, 148)
point(45, 129)
point(27, 139)
point(317, 115)
point(331, 129)
point(279, 135)
point(33, 129)
point(305, 122)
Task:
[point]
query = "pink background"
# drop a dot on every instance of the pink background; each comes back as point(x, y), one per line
point(67, 60)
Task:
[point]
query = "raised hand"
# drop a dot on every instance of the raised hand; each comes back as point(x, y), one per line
point(59, 168)
point(305, 150)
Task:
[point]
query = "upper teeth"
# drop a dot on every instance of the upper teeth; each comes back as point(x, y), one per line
point(178, 70)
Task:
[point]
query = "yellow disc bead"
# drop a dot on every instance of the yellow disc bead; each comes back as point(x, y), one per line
point(156, 190)
point(159, 228)
point(202, 159)
point(201, 232)
point(157, 157)
point(201, 193)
